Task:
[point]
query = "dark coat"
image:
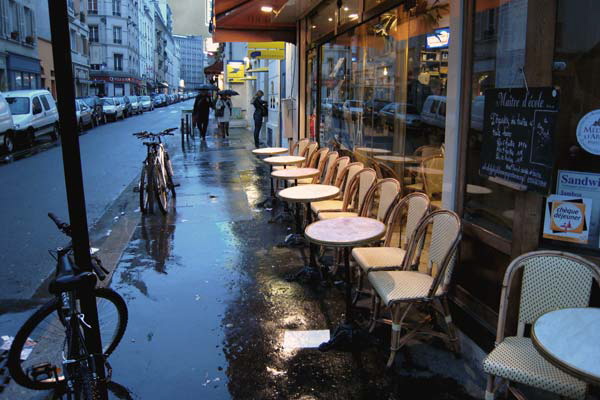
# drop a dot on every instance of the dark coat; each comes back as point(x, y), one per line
point(202, 106)
point(259, 106)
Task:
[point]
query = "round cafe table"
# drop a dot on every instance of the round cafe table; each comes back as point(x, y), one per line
point(295, 174)
point(397, 159)
point(279, 160)
point(372, 150)
point(344, 233)
point(269, 151)
point(570, 339)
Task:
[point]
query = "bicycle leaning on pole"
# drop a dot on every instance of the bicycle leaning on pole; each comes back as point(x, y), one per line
point(156, 180)
point(50, 350)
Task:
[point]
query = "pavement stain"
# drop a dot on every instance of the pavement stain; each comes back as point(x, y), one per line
point(209, 303)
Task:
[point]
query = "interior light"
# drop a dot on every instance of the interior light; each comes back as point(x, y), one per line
point(314, 26)
point(266, 9)
point(385, 71)
point(353, 16)
point(346, 8)
point(330, 19)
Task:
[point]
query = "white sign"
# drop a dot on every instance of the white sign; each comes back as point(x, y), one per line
point(583, 185)
point(588, 132)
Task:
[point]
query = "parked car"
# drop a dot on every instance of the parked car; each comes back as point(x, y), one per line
point(353, 108)
point(84, 115)
point(135, 104)
point(401, 112)
point(127, 107)
point(111, 108)
point(7, 127)
point(146, 103)
point(34, 114)
point(160, 100)
point(95, 104)
point(434, 111)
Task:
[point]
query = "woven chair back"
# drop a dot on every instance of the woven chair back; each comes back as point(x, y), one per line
point(383, 195)
point(327, 170)
point(357, 189)
point(410, 210)
point(551, 280)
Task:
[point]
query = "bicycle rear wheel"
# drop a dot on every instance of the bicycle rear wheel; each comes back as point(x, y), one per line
point(160, 188)
point(169, 169)
point(146, 194)
point(41, 340)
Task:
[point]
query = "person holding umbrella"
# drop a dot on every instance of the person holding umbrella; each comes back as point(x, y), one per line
point(201, 112)
point(223, 113)
point(260, 111)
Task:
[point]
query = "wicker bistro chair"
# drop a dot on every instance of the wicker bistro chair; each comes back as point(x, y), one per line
point(431, 183)
point(335, 170)
point(318, 160)
point(305, 149)
point(409, 211)
point(551, 280)
point(402, 286)
point(299, 147)
point(354, 197)
point(342, 181)
point(328, 168)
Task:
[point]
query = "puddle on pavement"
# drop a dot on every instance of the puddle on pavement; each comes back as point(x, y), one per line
point(209, 305)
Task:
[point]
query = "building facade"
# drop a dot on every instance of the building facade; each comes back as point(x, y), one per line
point(80, 49)
point(192, 60)
point(147, 43)
point(19, 59)
point(114, 47)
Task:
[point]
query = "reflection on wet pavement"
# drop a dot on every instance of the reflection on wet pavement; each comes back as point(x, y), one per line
point(209, 304)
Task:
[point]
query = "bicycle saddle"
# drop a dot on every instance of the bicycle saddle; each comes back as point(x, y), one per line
point(66, 280)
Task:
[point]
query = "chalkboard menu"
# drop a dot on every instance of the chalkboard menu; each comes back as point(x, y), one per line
point(518, 137)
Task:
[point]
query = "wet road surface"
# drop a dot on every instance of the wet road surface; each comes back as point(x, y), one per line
point(209, 303)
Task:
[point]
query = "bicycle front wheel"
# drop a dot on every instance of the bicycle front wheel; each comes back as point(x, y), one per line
point(160, 188)
point(145, 191)
point(41, 340)
point(169, 170)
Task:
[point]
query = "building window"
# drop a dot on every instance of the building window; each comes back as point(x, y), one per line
point(95, 67)
point(84, 45)
point(117, 35)
point(92, 6)
point(29, 25)
point(116, 7)
point(94, 37)
point(14, 19)
point(118, 62)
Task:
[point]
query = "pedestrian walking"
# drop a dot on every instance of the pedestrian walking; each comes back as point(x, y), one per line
point(202, 106)
point(260, 111)
point(223, 113)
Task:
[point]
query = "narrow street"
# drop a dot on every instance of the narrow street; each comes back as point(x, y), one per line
point(111, 160)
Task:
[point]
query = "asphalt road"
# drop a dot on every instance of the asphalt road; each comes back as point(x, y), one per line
point(34, 185)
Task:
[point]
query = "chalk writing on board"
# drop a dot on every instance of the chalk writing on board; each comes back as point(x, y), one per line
point(518, 136)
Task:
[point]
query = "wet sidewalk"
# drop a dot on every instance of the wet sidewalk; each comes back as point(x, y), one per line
point(209, 304)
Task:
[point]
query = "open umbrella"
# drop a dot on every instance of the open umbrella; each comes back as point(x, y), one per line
point(208, 86)
point(229, 92)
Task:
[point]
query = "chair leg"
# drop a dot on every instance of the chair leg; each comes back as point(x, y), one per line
point(359, 285)
point(397, 320)
point(375, 307)
point(450, 326)
point(490, 389)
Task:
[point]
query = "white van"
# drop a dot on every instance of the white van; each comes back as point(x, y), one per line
point(34, 114)
point(434, 111)
point(7, 127)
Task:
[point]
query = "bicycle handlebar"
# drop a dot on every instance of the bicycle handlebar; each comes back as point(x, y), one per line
point(62, 226)
point(146, 134)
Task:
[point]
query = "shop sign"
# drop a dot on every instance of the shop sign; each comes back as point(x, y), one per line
point(266, 54)
point(266, 45)
point(588, 132)
point(235, 72)
point(567, 219)
point(583, 185)
point(518, 137)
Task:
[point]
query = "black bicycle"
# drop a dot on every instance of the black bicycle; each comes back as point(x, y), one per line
point(49, 351)
point(156, 180)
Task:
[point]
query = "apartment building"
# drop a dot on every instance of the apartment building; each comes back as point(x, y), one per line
point(192, 60)
point(147, 43)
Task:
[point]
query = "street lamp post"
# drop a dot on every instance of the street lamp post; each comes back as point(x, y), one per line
point(61, 51)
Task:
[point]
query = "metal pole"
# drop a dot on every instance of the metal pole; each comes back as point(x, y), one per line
point(61, 51)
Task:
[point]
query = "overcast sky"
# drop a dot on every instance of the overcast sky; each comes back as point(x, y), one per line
point(187, 16)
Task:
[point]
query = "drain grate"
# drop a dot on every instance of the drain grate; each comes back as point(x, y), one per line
point(4, 376)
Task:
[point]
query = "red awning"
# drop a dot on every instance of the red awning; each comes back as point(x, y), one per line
point(214, 69)
point(243, 21)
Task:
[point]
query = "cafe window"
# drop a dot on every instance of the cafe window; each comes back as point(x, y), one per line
point(577, 137)
point(349, 12)
point(312, 69)
point(498, 55)
point(383, 94)
point(322, 22)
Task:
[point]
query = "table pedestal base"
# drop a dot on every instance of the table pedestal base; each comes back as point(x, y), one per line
point(295, 239)
point(346, 336)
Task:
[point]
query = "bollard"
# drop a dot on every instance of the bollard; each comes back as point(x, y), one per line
point(182, 132)
point(187, 124)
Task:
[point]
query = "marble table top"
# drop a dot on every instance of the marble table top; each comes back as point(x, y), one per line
point(570, 339)
point(372, 150)
point(308, 193)
point(295, 173)
point(267, 151)
point(284, 160)
point(397, 159)
point(345, 232)
point(476, 189)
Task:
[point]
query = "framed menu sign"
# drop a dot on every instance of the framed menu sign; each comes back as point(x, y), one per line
point(518, 137)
